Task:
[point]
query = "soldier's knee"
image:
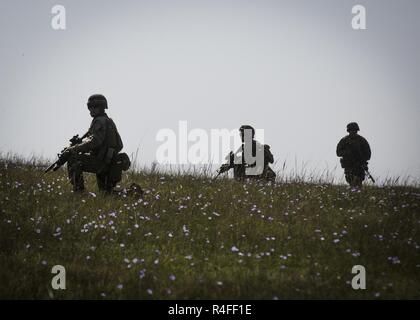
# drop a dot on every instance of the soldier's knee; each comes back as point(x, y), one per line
point(74, 168)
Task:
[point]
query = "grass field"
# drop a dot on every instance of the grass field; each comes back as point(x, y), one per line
point(194, 238)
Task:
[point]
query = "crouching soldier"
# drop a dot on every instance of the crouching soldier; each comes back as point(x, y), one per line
point(257, 170)
point(98, 150)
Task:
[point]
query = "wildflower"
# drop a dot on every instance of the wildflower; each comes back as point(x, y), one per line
point(234, 249)
point(142, 273)
point(172, 277)
point(394, 260)
point(120, 286)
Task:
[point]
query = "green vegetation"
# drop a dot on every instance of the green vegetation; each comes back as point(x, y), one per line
point(194, 238)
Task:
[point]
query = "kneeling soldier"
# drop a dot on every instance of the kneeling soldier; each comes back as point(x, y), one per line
point(98, 151)
point(237, 160)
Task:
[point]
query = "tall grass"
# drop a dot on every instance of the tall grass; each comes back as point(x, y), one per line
point(193, 237)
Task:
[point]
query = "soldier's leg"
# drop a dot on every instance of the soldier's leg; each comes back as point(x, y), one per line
point(355, 177)
point(350, 177)
point(239, 172)
point(105, 182)
point(270, 175)
point(80, 163)
point(75, 173)
point(359, 177)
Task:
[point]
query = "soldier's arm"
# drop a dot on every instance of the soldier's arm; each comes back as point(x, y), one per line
point(367, 153)
point(95, 139)
point(340, 148)
point(268, 156)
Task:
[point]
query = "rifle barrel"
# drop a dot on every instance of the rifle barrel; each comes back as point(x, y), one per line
point(50, 167)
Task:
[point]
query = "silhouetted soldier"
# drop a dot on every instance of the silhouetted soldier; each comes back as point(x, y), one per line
point(355, 152)
point(237, 160)
point(98, 152)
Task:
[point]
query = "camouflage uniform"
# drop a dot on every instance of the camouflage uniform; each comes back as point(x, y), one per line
point(354, 151)
point(239, 166)
point(97, 154)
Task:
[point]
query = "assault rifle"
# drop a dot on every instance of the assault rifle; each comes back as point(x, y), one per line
point(64, 155)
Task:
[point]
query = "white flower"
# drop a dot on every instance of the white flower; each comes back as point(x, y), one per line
point(234, 249)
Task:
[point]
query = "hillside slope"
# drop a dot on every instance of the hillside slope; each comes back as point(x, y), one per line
point(193, 238)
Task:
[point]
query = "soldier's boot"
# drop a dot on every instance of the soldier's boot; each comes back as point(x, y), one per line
point(75, 174)
point(355, 183)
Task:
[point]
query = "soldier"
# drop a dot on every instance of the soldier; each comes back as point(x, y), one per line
point(98, 151)
point(355, 152)
point(238, 163)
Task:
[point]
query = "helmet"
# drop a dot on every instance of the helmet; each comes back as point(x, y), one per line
point(97, 100)
point(247, 127)
point(352, 126)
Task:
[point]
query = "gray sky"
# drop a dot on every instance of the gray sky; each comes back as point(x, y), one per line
point(294, 68)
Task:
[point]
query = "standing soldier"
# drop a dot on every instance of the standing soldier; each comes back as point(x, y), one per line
point(237, 160)
point(98, 150)
point(354, 152)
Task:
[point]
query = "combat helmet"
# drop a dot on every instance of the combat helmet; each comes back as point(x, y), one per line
point(97, 100)
point(247, 127)
point(353, 126)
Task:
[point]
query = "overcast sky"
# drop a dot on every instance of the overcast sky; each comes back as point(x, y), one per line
point(293, 68)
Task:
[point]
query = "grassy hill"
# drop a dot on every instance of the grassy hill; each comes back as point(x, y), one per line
point(194, 238)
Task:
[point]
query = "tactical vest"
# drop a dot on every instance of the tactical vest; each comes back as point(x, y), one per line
point(112, 143)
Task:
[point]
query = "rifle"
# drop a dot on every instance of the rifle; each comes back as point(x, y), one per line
point(223, 168)
point(64, 155)
point(368, 173)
